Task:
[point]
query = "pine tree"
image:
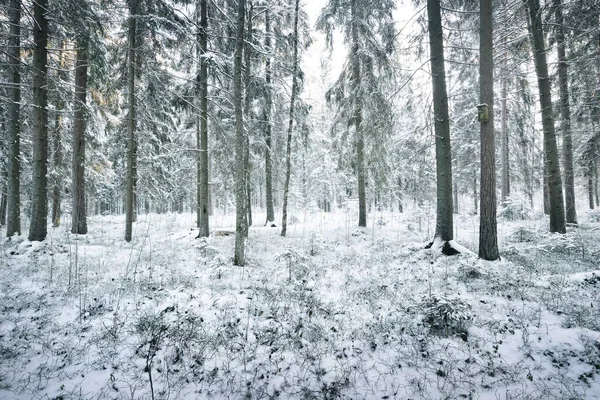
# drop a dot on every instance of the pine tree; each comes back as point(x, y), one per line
point(488, 236)
point(552, 167)
point(444, 229)
point(39, 201)
point(13, 206)
point(203, 187)
point(240, 141)
point(131, 120)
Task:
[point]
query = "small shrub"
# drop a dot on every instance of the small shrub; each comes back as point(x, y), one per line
point(446, 315)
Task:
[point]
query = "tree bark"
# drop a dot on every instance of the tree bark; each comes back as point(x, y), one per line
point(505, 189)
point(288, 153)
point(359, 138)
point(268, 122)
point(13, 200)
point(240, 142)
point(79, 217)
point(565, 112)
point(131, 145)
point(39, 201)
point(444, 228)
point(488, 236)
point(57, 156)
point(247, 106)
point(203, 187)
point(556, 203)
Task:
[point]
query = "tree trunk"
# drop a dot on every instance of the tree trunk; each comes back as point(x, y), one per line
point(79, 219)
point(505, 189)
point(455, 193)
point(13, 200)
point(203, 187)
point(268, 122)
point(596, 185)
point(488, 236)
point(359, 138)
point(475, 195)
point(57, 157)
point(565, 112)
point(444, 228)
point(288, 153)
point(590, 185)
point(557, 208)
point(39, 199)
point(247, 106)
point(131, 145)
point(240, 142)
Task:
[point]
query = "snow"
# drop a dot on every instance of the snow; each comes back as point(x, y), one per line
point(330, 311)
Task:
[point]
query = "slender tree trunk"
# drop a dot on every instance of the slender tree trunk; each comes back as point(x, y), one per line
point(268, 122)
point(455, 193)
point(359, 138)
point(247, 106)
point(596, 185)
point(565, 112)
point(131, 145)
point(13, 200)
point(57, 156)
point(590, 185)
point(475, 195)
point(488, 236)
point(505, 190)
point(240, 142)
point(79, 218)
point(444, 228)
point(288, 153)
point(557, 208)
point(203, 187)
point(39, 200)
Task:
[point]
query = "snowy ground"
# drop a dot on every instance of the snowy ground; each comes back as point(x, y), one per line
point(329, 312)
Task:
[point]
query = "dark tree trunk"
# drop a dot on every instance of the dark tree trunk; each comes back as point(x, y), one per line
point(556, 203)
point(39, 200)
point(268, 122)
point(488, 236)
point(13, 200)
point(288, 153)
point(203, 187)
point(248, 101)
point(444, 228)
point(475, 195)
point(359, 138)
point(565, 112)
point(240, 142)
point(131, 145)
point(590, 185)
point(79, 218)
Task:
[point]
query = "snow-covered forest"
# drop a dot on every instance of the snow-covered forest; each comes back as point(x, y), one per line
point(299, 199)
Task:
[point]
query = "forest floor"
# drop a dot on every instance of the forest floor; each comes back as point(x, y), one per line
point(331, 311)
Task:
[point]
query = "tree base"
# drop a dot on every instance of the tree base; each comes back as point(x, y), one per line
point(448, 248)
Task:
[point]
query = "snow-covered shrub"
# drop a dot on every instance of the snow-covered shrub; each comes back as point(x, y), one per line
point(515, 208)
point(467, 272)
point(446, 315)
point(594, 215)
point(522, 235)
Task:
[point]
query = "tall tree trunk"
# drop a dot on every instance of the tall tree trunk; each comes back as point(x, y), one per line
point(475, 196)
point(13, 210)
point(444, 228)
point(39, 200)
point(247, 106)
point(557, 208)
point(288, 153)
point(79, 218)
point(57, 156)
point(590, 184)
point(131, 145)
point(505, 189)
point(359, 138)
point(240, 142)
point(488, 236)
point(203, 187)
point(268, 121)
point(596, 194)
point(565, 112)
